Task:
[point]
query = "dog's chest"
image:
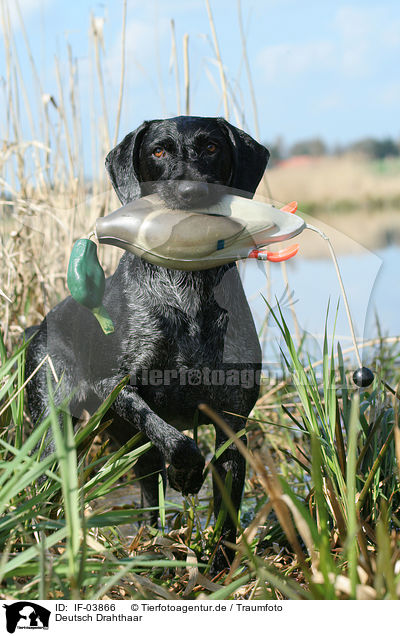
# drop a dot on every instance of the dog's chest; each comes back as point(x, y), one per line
point(188, 341)
point(188, 347)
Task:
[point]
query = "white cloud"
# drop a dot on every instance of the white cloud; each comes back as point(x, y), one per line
point(140, 47)
point(390, 95)
point(392, 34)
point(140, 56)
point(27, 9)
point(365, 35)
point(355, 47)
point(329, 101)
point(355, 29)
point(355, 23)
point(295, 59)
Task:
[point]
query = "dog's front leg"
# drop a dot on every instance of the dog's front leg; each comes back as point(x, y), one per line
point(230, 461)
point(185, 472)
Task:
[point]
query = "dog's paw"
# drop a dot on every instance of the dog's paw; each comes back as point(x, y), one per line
point(185, 472)
point(186, 481)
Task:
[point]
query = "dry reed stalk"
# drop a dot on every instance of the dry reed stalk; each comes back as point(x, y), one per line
point(102, 190)
point(63, 116)
point(157, 40)
point(219, 60)
point(46, 100)
point(93, 134)
point(105, 208)
point(28, 49)
point(76, 130)
point(44, 215)
point(97, 25)
point(36, 156)
point(186, 72)
point(122, 77)
point(16, 118)
point(174, 56)
point(248, 71)
point(12, 100)
point(251, 88)
point(39, 92)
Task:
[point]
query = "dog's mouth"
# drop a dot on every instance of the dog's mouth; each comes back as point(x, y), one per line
point(186, 195)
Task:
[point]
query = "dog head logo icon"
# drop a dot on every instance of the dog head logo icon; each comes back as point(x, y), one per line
point(26, 615)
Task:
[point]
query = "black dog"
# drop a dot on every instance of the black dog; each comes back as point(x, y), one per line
point(192, 330)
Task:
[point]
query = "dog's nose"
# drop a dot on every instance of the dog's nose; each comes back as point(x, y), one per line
point(192, 191)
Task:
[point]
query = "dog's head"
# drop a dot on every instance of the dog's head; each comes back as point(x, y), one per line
point(180, 157)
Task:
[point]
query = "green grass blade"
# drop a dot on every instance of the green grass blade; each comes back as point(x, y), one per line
point(16, 565)
point(352, 528)
point(161, 501)
point(66, 456)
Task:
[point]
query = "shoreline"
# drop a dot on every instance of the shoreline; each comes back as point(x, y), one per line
point(356, 202)
point(351, 233)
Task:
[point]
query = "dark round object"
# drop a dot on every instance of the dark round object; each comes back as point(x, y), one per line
point(363, 377)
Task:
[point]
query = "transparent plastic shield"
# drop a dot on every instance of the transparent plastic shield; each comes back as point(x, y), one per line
point(312, 283)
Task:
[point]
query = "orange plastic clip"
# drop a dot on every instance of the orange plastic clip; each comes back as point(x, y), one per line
point(275, 257)
point(290, 207)
point(282, 255)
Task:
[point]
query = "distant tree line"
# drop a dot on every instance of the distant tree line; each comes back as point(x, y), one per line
point(315, 147)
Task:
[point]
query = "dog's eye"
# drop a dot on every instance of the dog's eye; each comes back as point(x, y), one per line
point(211, 148)
point(159, 152)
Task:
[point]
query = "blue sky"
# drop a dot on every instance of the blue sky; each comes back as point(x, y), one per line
point(328, 69)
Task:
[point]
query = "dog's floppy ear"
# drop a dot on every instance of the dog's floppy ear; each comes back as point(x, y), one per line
point(121, 164)
point(249, 158)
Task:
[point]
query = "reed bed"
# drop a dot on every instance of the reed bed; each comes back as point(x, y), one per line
point(320, 512)
point(338, 184)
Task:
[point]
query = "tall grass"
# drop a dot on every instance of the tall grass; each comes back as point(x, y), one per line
point(322, 493)
point(53, 537)
point(320, 512)
point(346, 473)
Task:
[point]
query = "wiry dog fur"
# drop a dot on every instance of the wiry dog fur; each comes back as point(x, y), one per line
point(164, 319)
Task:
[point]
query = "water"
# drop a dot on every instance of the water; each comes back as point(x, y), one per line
point(370, 280)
